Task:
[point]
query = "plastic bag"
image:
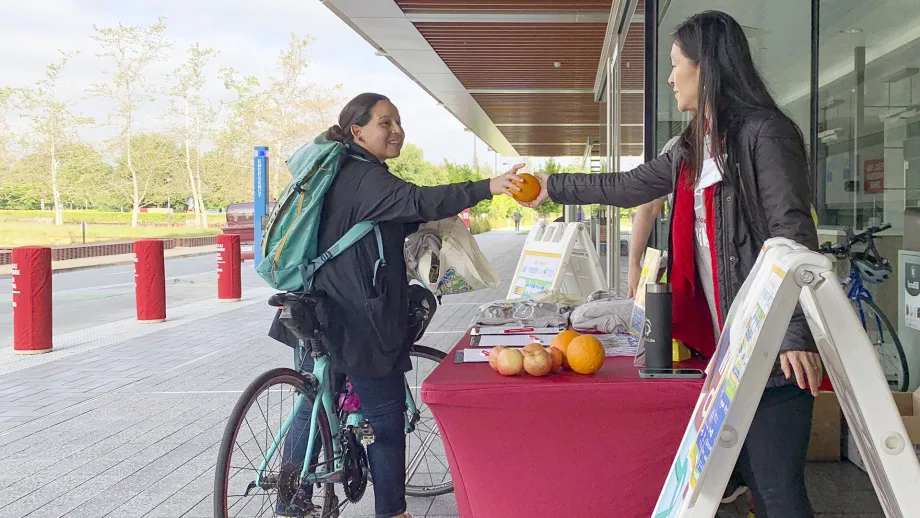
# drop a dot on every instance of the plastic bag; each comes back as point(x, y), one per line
point(544, 309)
point(603, 316)
point(461, 265)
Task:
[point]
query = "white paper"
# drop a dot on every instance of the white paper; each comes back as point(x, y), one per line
point(475, 355)
point(511, 340)
point(619, 344)
point(502, 330)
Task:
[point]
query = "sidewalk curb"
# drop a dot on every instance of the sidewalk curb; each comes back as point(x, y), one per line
point(121, 260)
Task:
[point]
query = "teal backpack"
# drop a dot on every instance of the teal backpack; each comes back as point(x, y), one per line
point(289, 243)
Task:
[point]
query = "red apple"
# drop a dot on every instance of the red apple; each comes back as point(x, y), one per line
point(510, 362)
point(538, 363)
point(530, 348)
point(556, 355)
point(493, 356)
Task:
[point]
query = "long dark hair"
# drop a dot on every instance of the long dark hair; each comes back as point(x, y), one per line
point(730, 88)
point(356, 112)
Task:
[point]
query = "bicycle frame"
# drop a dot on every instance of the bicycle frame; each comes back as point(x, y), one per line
point(857, 292)
point(322, 372)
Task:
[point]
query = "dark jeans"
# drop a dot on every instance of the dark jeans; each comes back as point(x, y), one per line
point(383, 402)
point(772, 460)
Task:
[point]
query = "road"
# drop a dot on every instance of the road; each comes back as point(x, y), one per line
point(87, 298)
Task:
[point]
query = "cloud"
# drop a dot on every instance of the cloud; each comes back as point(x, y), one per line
point(248, 36)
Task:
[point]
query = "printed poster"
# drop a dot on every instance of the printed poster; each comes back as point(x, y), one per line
point(538, 270)
point(912, 295)
point(725, 372)
point(650, 268)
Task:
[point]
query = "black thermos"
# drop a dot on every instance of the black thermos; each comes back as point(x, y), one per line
point(658, 350)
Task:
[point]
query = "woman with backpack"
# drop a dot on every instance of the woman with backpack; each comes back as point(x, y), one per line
point(366, 300)
point(739, 176)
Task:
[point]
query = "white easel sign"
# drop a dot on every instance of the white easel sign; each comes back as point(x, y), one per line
point(558, 257)
point(785, 274)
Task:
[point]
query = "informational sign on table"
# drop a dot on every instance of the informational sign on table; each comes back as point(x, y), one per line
point(537, 272)
point(650, 268)
point(912, 295)
point(786, 274)
point(559, 258)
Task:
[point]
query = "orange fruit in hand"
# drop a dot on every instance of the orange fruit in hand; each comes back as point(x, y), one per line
point(561, 342)
point(529, 188)
point(585, 354)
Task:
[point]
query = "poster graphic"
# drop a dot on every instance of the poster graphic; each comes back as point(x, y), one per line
point(874, 176)
point(725, 372)
point(538, 270)
point(650, 268)
point(912, 295)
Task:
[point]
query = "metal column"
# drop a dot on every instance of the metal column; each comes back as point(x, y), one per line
point(613, 161)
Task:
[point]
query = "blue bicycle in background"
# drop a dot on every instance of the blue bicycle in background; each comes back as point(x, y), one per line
point(867, 266)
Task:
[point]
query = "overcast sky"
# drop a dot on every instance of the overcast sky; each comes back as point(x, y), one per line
point(248, 35)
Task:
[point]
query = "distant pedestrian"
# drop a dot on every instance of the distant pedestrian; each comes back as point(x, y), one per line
point(517, 220)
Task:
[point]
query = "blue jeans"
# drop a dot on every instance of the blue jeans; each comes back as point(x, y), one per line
point(383, 402)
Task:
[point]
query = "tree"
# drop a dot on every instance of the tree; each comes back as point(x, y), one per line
point(196, 115)
point(6, 134)
point(157, 166)
point(295, 110)
point(550, 208)
point(412, 167)
point(54, 124)
point(129, 51)
point(84, 177)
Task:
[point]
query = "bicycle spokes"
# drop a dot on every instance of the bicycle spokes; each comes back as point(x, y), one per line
point(266, 460)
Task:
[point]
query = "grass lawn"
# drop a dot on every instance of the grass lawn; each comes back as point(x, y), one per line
point(13, 234)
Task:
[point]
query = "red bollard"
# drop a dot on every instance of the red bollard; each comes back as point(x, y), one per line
point(149, 281)
point(229, 283)
point(31, 300)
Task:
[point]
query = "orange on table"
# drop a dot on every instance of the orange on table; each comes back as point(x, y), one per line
point(585, 354)
point(561, 342)
point(529, 188)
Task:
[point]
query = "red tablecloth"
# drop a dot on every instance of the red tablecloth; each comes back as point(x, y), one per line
point(564, 445)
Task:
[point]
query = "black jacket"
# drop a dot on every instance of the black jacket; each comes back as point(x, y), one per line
point(366, 327)
point(765, 194)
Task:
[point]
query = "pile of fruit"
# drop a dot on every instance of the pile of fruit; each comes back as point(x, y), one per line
point(583, 354)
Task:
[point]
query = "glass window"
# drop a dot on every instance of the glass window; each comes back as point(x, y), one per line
point(779, 33)
point(869, 117)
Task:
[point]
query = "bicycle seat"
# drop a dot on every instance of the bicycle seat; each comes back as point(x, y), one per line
point(298, 312)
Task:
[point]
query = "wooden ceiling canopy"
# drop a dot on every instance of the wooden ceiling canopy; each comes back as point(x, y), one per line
point(531, 66)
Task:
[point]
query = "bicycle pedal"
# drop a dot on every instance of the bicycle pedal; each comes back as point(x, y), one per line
point(365, 433)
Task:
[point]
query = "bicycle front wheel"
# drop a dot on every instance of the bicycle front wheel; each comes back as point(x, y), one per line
point(427, 472)
point(252, 430)
point(887, 344)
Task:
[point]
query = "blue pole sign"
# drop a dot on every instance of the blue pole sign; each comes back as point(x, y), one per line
point(260, 199)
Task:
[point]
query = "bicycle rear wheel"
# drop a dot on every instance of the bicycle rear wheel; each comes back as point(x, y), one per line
point(251, 430)
point(886, 342)
point(427, 472)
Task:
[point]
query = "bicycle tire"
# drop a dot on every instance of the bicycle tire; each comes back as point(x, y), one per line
point(429, 353)
point(905, 379)
point(235, 422)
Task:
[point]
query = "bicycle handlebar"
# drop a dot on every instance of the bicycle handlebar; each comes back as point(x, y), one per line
point(843, 251)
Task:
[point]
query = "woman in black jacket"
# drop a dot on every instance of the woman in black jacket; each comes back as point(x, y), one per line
point(367, 302)
point(739, 177)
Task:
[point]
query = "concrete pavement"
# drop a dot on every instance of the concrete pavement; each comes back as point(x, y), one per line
point(126, 423)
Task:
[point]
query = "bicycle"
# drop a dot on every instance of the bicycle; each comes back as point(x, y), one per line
point(868, 266)
point(338, 434)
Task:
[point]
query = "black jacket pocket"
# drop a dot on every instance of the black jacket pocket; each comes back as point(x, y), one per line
point(385, 327)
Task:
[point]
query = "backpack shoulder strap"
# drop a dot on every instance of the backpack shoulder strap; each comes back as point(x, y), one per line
point(354, 234)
